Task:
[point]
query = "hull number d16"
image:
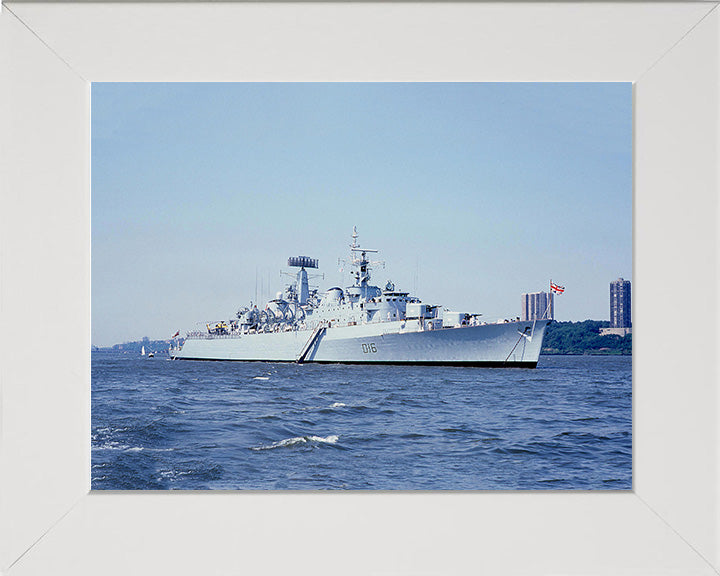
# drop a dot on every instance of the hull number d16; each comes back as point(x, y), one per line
point(369, 348)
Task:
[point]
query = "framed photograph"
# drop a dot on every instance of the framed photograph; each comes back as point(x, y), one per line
point(51, 53)
point(395, 347)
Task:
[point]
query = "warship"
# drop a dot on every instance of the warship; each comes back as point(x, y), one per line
point(361, 324)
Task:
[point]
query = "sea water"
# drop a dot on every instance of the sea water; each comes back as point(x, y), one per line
point(159, 424)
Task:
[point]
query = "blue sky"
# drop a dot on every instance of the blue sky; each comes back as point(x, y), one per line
point(474, 193)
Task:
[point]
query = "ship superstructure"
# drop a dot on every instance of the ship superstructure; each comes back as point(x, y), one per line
point(362, 323)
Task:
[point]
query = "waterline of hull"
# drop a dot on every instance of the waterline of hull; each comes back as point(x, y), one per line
point(500, 345)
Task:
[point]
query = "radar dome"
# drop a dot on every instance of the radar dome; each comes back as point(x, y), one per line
point(334, 294)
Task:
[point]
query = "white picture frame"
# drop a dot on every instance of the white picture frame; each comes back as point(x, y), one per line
point(50, 522)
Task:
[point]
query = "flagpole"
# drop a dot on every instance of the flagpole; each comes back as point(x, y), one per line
point(554, 288)
point(544, 316)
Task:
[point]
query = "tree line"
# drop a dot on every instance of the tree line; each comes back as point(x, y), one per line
point(583, 338)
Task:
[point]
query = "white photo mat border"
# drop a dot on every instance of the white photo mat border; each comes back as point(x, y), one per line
point(49, 53)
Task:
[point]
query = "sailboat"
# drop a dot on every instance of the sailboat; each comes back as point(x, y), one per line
point(142, 352)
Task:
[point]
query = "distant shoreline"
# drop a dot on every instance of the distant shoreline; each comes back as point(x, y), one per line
point(583, 339)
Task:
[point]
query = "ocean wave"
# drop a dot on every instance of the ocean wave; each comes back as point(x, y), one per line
point(166, 410)
point(202, 473)
point(324, 409)
point(269, 417)
point(582, 436)
point(112, 445)
point(110, 430)
point(299, 440)
point(615, 480)
point(513, 450)
point(327, 409)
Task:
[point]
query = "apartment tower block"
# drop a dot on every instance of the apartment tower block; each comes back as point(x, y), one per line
point(537, 306)
point(620, 304)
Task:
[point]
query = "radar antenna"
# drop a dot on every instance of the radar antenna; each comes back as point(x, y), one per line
point(302, 262)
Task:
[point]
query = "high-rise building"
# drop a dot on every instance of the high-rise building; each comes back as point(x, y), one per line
point(537, 306)
point(620, 304)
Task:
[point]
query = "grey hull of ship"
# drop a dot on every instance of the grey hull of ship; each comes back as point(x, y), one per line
point(385, 343)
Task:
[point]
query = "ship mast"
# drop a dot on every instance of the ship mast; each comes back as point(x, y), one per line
point(362, 277)
point(302, 289)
